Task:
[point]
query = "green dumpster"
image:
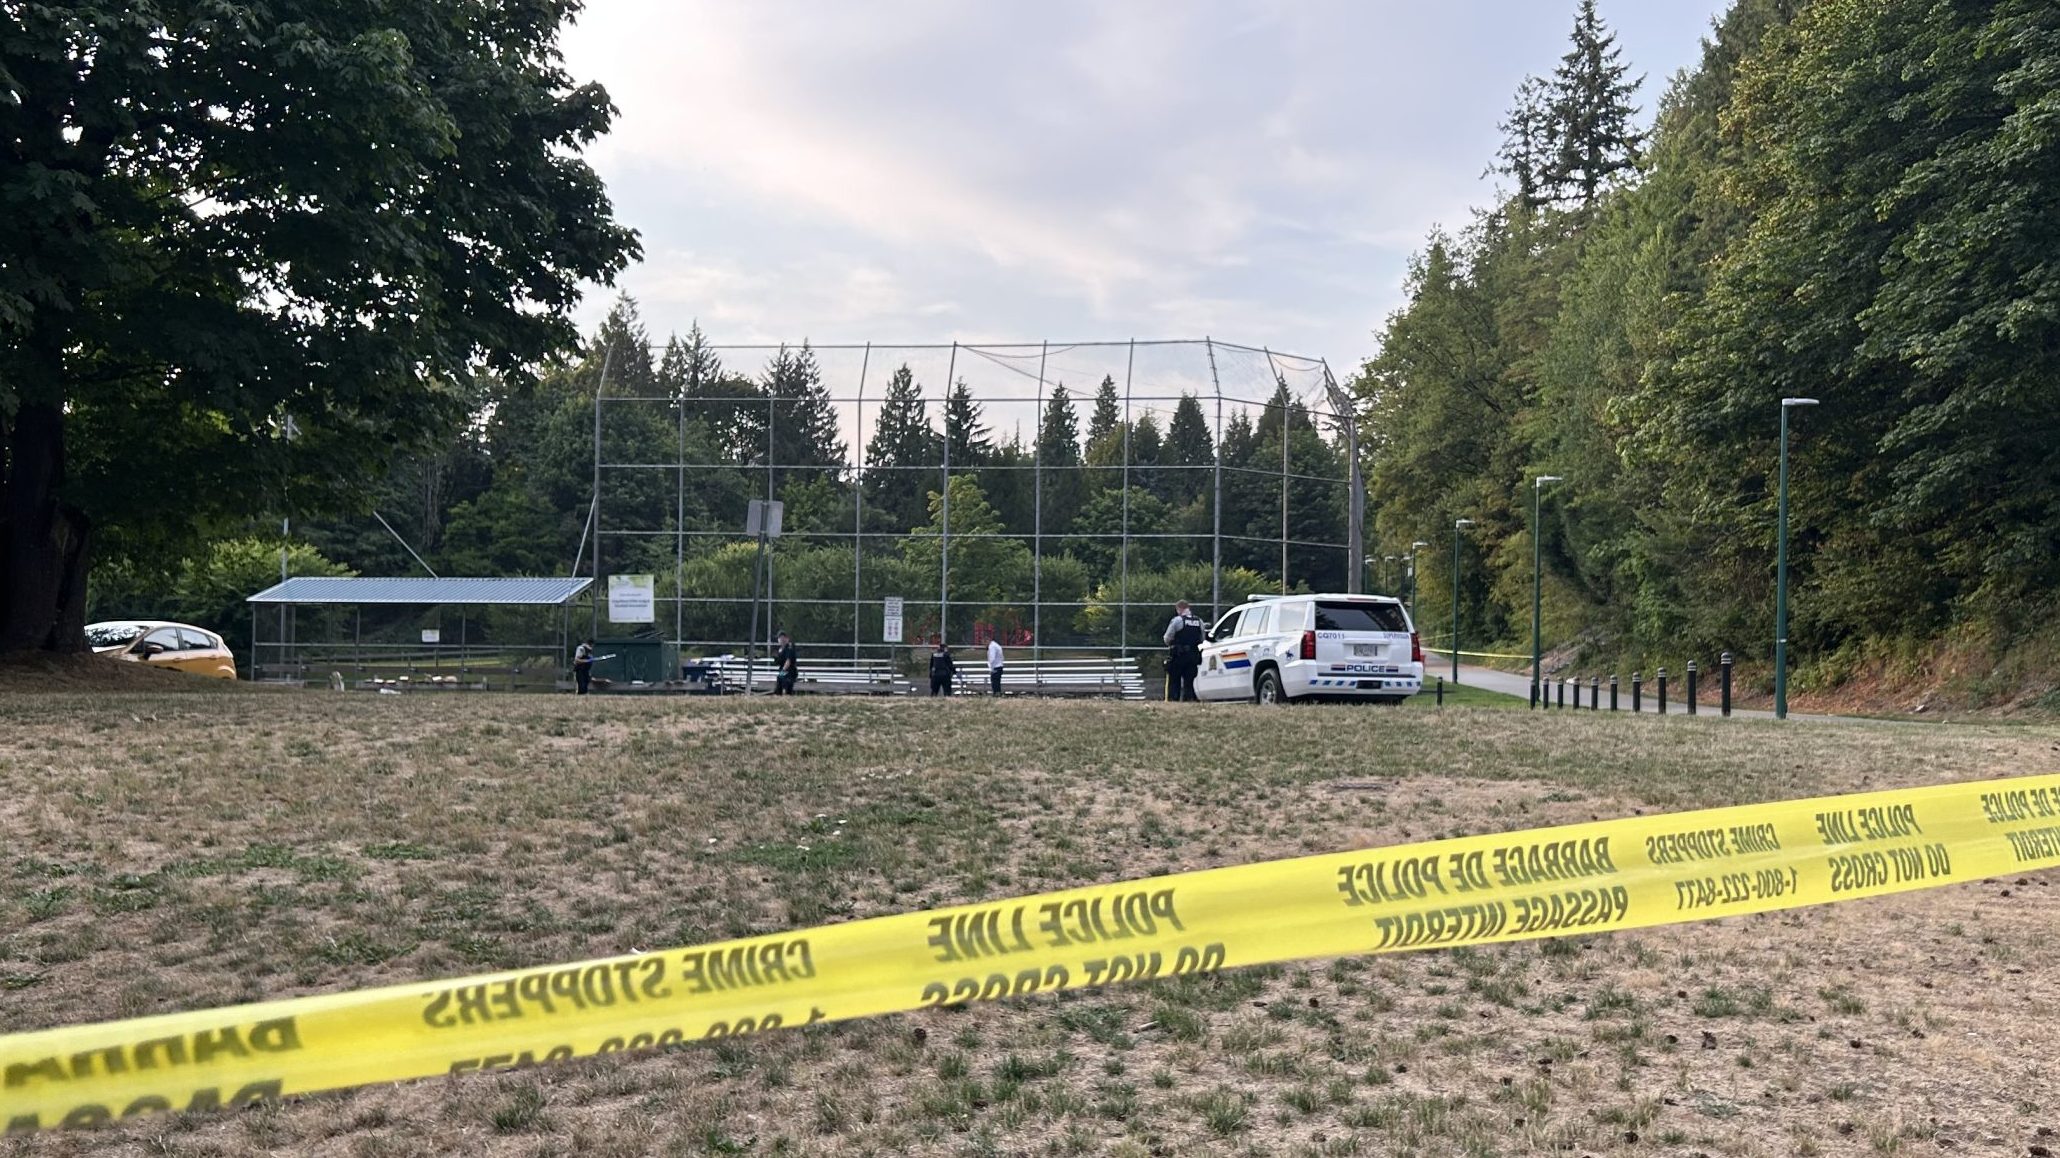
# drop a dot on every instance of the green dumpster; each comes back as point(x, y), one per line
point(633, 661)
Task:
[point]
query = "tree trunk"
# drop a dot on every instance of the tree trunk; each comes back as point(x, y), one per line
point(43, 540)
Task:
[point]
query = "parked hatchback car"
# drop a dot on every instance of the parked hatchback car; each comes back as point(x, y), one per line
point(179, 646)
point(1274, 649)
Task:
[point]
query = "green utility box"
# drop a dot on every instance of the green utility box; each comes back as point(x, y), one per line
point(633, 661)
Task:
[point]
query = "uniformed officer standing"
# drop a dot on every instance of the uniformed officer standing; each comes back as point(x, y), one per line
point(583, 665)
point(1184, 635)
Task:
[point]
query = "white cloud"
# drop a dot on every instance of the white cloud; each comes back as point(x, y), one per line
point(1250, 168)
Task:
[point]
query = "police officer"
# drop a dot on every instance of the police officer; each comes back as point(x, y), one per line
point(786, 666)
point(1184, 635)
point(583, 665)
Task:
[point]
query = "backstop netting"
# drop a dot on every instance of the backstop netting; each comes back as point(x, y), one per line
point(1057, 497)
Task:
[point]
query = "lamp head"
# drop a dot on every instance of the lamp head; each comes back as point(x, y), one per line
point(1786, 402)
point(1418, 543)
point(1546, 478)
point(1458, 523)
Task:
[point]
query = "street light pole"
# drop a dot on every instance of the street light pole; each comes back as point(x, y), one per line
point(1456, 525)
point(1781, 571)
point(1413, 549)
point(1537, 584)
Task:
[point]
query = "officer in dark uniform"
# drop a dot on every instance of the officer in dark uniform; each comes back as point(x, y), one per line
point(583, 665)
point(1184, 634)
point(942, 667)
point(786, 667)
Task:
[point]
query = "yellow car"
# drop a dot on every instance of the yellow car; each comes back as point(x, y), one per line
point(178, 646)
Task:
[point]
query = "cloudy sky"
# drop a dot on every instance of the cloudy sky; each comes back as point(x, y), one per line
point(932, 170)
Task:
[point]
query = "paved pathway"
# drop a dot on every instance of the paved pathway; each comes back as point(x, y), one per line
point(1512, 684)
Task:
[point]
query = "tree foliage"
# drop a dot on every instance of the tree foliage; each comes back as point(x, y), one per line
point(254, 251)
point(1850, 201)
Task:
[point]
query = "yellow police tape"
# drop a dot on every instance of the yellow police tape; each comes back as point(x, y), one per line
point(1583, 878)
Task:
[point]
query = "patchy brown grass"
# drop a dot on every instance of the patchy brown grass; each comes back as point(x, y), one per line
point(172, 852)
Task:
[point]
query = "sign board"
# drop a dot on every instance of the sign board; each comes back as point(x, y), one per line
point(891, 628)
point(632, 598)
point(431, 635)
point(764, 517)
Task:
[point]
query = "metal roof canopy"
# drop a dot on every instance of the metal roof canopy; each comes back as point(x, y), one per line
point(425, 592)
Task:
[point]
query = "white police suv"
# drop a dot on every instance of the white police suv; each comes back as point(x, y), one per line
point(1278, 648)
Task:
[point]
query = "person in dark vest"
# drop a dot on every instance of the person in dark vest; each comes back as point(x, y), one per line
point(583, 665)
point(786, 667)
point(1184, 635)
point(942, 667)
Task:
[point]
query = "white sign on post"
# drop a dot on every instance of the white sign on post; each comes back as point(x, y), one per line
point(632, 598)
point(432, 635)
point(891, 629)
point(763, 517)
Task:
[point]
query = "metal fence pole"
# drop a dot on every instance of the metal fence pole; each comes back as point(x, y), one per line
point(944, 540)
point(1216, 506)
point(607, 359)
point(1123, 618)
point(1274, 370)
point(1037, 514)
point(679, 529)
point(1355, 494)
point(858, 506)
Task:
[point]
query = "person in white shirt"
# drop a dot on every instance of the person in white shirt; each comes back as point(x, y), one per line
point(994, 662)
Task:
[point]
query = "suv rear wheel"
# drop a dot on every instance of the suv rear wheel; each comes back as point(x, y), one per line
point(1267, 690)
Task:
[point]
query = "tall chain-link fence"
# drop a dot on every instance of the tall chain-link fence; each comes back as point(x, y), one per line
point(1059, 497)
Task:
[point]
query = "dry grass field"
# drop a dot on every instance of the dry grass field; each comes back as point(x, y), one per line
point(163, 852)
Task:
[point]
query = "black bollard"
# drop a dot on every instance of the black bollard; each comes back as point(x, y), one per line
point(1662, 691)
point(1637, 692)
point(1691, 687)
point(1441, 691)
point(1725, 680)
point(1562, 692)
point(1594, 693)
point(1612, 693)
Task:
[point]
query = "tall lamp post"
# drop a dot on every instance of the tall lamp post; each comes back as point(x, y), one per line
point(1413, 549)
point(1781, 571)
point(1387, 570)
point(1537, 585)
point(1456, 525)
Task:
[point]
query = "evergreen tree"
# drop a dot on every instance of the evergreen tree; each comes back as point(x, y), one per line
point(964, 429)
point(1108, 411)
point(622, 350)
point(1188, 454)
point(904, 458)
point(1530, 144)
point(1145, 449)
point(1591, 113)
point(725, 404)
point(1058, 457)
point(804, 442)
point(1107, 441)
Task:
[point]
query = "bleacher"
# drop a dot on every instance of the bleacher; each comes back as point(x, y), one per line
point(1114, 676)
point(821, 676)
